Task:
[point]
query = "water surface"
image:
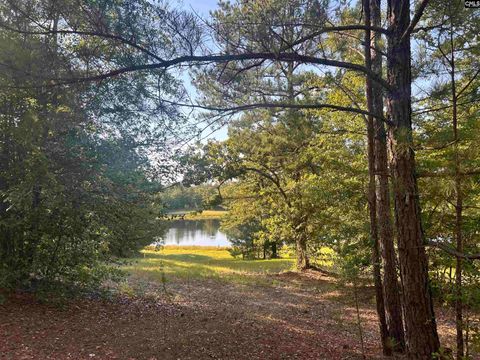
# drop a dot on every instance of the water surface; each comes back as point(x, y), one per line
point(195, 233)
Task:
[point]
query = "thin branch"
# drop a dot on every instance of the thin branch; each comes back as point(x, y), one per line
point(279, 105)
point(424, 111)
point(338, 29)
point(425, 174)
point(469, 82)
point(273, 180)
point(86, 33)
point(450, 250)
point(440, 147)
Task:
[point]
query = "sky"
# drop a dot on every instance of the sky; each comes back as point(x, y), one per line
point(200, 6)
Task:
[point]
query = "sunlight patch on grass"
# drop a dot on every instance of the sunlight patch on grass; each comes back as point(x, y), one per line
point(206, 214)
point(203, 263)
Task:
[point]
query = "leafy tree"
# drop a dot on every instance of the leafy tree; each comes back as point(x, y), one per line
point(70, 175)
point(448, 135)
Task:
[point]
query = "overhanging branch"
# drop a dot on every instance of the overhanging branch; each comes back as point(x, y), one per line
point(450, 250)
point(221, 58)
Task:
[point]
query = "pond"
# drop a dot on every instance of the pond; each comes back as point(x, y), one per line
point(195, 233)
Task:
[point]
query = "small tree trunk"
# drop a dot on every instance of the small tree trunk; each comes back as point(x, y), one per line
point(302, 258)
point(7, 245)
point(359, 321)
point(458, 276)
point(274, 250)
point(372, 200)
point(467, 336)
point(393, 305)
point(458, 210)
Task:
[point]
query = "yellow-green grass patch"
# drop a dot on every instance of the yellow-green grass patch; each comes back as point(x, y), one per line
point(195, 262)
point(206, 214)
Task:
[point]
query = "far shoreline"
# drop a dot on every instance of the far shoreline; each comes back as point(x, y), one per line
point(198, 214)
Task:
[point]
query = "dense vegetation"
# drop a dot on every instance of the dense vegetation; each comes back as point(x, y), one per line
point(191, 198)
point(353, 127)
point(74, 163)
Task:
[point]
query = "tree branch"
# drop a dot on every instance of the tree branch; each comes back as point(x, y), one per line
point(426, 174)
point(279, 105)
point(273, 180)
point(416, 18)
point(196, 59)
point(450, 250)
point(86, 33)
point(472, 79)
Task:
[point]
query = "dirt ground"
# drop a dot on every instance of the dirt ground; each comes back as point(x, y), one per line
point(299, 316)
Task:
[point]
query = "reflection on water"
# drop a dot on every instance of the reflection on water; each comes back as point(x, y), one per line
point(196, 232)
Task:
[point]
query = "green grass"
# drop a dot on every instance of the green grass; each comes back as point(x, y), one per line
point(200, 214)
point(194, 262)
point(206, 214)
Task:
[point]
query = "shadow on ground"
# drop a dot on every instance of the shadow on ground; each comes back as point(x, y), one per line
point(193, 320)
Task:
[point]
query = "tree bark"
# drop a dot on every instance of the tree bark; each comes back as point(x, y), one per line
point(458, 209)
point(372, 202)
point(273, 247)
point(302, 258)
point(458, 266)
point(420, 326)
point(7, 250)
point(303, 262)
point(391, 289)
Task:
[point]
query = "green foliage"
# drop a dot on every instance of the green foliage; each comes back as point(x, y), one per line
point(244, 231)
point(81, 164)
point(290, 177)
point(193, 198)
point(76, 185)
point(281, 191)
point(440, 156)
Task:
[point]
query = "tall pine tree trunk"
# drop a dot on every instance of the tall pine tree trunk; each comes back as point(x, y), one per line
point(458, 207)
point(420, 326)
point(391, 288)
point(372, 202)
point(299, 222)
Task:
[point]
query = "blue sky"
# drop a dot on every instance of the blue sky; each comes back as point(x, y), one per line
point(201, 6)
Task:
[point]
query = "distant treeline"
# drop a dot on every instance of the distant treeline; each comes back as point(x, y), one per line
point(192, 198)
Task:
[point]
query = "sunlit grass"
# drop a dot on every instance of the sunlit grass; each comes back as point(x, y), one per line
point(206, 214)
point(195, 262)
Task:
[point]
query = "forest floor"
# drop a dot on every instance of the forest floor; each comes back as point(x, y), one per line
point(255, 312)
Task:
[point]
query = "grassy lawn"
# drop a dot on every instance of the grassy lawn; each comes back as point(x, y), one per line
point(194, 262)
point(206, 214)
